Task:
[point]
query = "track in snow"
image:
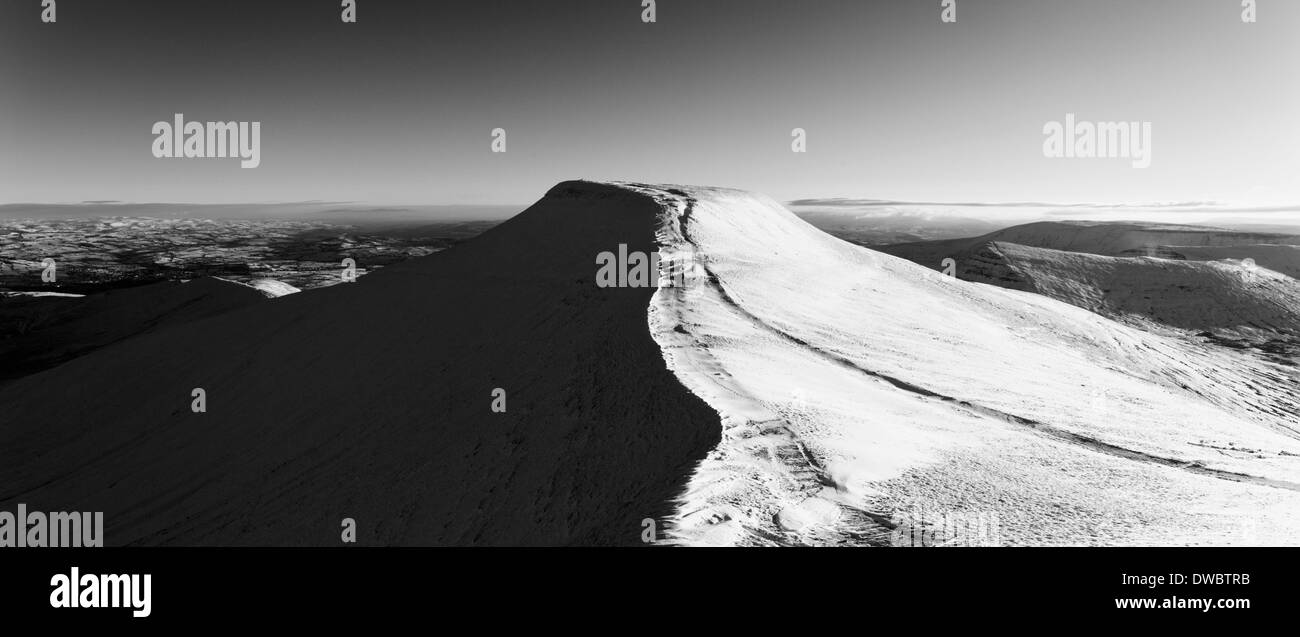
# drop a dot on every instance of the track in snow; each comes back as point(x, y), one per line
point(1043, 428)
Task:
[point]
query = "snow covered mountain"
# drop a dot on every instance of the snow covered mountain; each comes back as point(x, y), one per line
point(1236, 288)
point(854, 385)
point(374, 401)
point(789, 388)
point(1278, 252)
point(1228, 298)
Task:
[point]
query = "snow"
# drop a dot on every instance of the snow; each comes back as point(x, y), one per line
point(1111, 238)
point(65, 295)
point(851, 378)
point(796, 389)
point(372, 401)
point(1220, 296)
point(1274, 251)
point(1281, 258)
point(270, 288)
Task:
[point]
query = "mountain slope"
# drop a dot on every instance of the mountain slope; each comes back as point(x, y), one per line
point(857, 388)
point(1277, 252)
point(372, 401)
point(38, 332)
point(857, 394)
point(1222, 297)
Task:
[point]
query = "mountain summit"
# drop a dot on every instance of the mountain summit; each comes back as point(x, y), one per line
point(795, 389)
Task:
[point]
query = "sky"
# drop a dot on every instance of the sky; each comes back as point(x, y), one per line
point(399, 108)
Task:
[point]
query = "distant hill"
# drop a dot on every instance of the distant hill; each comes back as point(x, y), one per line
point(1271, 250)
point(38, 332)
point(1238, 287)
point(1221, 297)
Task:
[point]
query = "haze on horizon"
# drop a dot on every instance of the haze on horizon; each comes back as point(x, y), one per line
point(399, 107)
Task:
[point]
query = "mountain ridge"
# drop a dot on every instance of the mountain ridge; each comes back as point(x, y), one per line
point(372, 401)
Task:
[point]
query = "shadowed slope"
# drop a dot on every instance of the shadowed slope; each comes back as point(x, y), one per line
point(372, 401)
point(39, 332)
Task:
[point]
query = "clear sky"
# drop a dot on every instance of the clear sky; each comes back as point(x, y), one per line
point(399, 107)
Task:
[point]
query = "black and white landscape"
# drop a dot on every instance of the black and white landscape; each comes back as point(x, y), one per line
point(1075, 398)
point(860, 274)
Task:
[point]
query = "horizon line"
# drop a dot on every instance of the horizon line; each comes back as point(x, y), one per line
point(304, 202)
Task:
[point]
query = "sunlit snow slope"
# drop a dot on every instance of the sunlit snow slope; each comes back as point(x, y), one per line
point(853, 385)
point(1222, 297)
point(1278, 252)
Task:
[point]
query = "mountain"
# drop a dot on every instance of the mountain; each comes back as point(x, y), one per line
point(1278, 252)
point(879, 224)
point(1237, 288)
point(861, 392)
point(373, 401)
point(39, 331)
point(789, 388)
point(1226, 297)
point(1279, 258)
